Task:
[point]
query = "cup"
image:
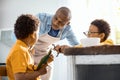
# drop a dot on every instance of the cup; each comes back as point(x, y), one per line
point(86, 42)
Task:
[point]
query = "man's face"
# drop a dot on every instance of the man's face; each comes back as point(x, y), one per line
point(59, 21)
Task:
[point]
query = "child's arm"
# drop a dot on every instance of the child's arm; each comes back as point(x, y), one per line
point(33, 75)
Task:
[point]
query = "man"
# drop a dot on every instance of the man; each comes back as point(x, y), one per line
point(53, 28)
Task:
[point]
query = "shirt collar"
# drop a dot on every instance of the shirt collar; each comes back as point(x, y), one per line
point(22, 43)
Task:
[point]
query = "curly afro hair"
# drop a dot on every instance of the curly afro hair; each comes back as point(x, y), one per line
point(102, 26)
point(25, 25)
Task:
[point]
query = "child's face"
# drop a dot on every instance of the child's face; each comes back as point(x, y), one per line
point(34, 37)
point(93, 31)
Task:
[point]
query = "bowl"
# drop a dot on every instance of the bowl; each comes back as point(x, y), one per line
point(90, 42)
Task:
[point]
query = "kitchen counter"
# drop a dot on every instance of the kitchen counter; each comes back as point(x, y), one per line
point(93, 50)
point(94, 63)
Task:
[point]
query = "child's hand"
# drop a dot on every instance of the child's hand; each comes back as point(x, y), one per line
point(50, 59)
point(43, 69)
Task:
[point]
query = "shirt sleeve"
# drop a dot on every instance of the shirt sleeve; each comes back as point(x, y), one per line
point(71, 37)
point(41, 16)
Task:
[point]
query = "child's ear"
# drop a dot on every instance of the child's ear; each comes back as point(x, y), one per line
point(32, 36)
point(102, 35)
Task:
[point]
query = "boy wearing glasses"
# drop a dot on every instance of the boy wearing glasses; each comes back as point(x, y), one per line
point(101, 29)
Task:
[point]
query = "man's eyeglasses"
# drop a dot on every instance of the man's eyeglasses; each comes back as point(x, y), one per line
point(89, 32)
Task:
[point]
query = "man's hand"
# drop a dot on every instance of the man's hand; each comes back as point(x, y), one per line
point(60, 49)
